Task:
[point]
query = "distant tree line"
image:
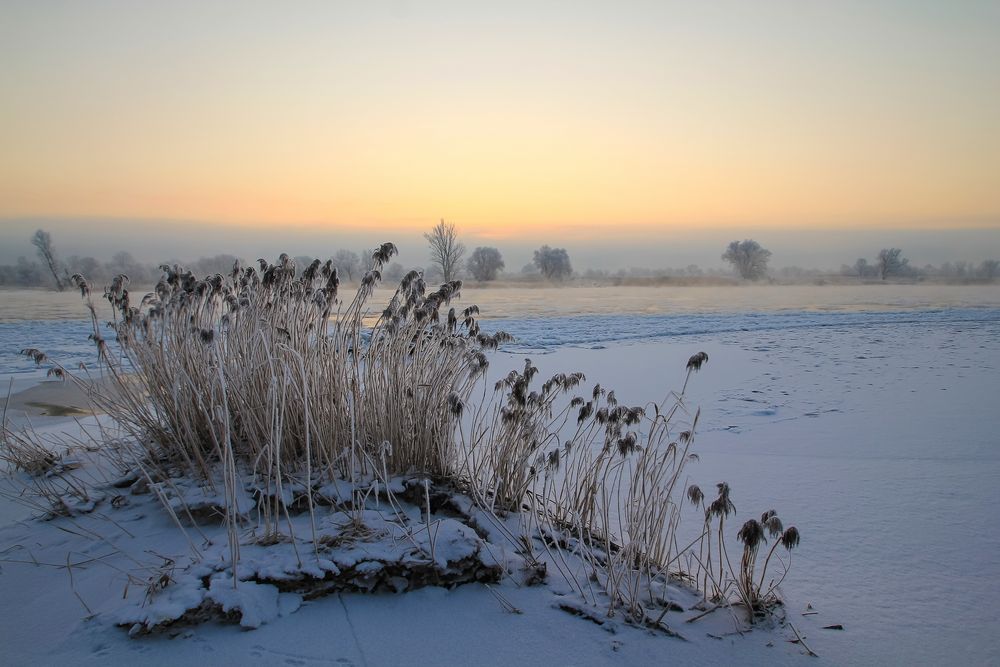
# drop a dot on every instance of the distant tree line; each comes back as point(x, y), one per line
point(889, 263)
point(749, 261)
point(51, 270)
point(31, 273)
point(651, 273)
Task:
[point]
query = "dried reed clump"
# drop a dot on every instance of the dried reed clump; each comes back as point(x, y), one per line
point(600, 480)
point(603, 483)
point(267, 369)
point(751, 590)
point(35, 354)
point(506, 453)
point(24, 450)
point(27, 453)
point(723, 580)
point(266, 381)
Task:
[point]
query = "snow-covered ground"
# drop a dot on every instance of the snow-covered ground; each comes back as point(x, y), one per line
point(875, 432)
point(877, 435)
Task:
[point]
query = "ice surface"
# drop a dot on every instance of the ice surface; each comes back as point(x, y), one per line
point(597, 331)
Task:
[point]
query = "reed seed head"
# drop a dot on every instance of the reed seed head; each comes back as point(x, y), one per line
point(722, 506)
point(751, 534)
point(553, 459)
point(790, 538)
point(696, 361)
point(627, 444)
point(36, 355)
point(80, 283)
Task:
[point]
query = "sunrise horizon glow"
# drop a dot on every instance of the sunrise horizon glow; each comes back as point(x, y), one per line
point(513, 122)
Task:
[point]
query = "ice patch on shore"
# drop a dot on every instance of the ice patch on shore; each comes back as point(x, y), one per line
point(593, 331)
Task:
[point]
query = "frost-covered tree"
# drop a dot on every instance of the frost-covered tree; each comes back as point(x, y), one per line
point(87, 267)
point(446, 251)
point(956, 270)
point(890, 262)
point(207, 266)
point(485, 263)
point(432, 274)
point(27, 273)
point(123, 262)
point(348, 263)
point(42, 241)
point(393, 273)
point(989, 269)
point(748, 258)
point(553, 263)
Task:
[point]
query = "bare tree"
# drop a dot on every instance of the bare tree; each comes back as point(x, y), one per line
point(123, 262)
point(88, 267)
point(432, 274)
point(43, 242)
point(748, 258)
point(485, 263)
point(988, 269)
point(862, 268)
point(27, 273)
point(393, 273)
point(301, 262)
point(530, 269)
point(348, 263)
point(890, 262)
point(553, 263)
point(446, 251)
point(955, 270)
point(223, 264)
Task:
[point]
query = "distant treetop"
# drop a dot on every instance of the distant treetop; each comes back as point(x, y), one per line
point(748, 258)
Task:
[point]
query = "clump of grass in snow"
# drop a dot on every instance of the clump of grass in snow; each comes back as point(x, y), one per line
point(24, 450)
point(267, 378)
point(749, 590)
point(268, 368)
point(600, 480)
point(753, 534)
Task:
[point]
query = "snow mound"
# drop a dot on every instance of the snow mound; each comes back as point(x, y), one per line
point(364, 552)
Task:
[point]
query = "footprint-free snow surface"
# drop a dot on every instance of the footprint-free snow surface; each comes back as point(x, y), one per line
point(876, 433)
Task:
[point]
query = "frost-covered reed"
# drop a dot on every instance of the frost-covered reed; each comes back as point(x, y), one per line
point(269, 382)
point(269, 368)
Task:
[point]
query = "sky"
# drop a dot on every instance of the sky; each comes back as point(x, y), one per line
point(590, 125)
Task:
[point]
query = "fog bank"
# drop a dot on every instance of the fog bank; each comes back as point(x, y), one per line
point(160, 240)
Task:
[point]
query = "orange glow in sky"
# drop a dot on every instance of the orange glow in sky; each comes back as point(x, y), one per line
point(510, 119)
